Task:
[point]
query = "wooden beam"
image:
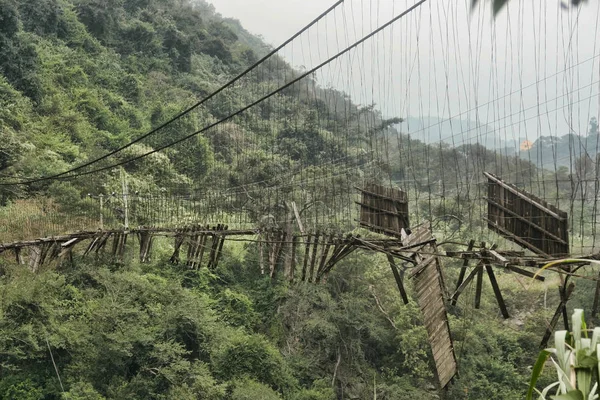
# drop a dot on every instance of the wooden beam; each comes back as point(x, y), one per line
point(381, 210)
point(298, 220)
point(293, 258)
point(563, 297)
point(596, 298)
point(497, 292)
point(398, 278)
point(313, 258)
point(525, 273)
point(513, 237)
point(379, 228)
point(219, 250)
point(465, 283)
point(463, 269)
point(478, 286)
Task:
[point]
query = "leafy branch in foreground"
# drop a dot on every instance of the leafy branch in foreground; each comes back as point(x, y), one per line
point(575, 358)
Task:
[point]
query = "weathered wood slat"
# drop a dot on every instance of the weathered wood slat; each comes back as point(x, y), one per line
point(526, 220)
point(431, 298)
point(383, 209)
point(522, 219)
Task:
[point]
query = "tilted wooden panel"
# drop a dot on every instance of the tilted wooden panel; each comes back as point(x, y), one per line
point(430, 292)
point(383, 210)
point(526, 220)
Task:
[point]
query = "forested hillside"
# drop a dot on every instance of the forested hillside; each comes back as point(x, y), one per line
point(80, 78)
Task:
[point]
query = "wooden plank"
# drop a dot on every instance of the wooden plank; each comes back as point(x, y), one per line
point(522, 219)
point(430, 296)
point(518, 193)
point(383, 210)
point(35, 253)
point(526, 220)
point(382, 196)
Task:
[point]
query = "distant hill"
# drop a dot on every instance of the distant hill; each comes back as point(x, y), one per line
point(454, 132)
point(548, 151)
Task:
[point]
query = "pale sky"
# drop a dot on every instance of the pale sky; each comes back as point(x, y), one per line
point(534, 70)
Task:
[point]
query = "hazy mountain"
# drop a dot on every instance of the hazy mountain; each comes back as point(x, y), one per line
point(454, 132)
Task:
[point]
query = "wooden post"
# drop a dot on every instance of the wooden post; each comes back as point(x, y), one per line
point(115, 244)
point(277, 250)
point(19, 260)
point(478, 286)
point(465, 283)
point(144, 237)
point(324, 255)
point(261, 261)
point(564, 297)
point(463, 269)
point(306, 256)
point(191, 249)
point(214, 246)
point(179, 237)
point(497, 292)
point(479, 283)
point(596, 298)
point(103, 240)
point(101, 211)
point(122, 246)
point(293, 258)
point(398, 278)
point(220, 249)
point(313, 258)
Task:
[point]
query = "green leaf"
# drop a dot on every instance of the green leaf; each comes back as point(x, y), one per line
point(585, 361)
point(572, 395)
point(537, 371)
point(584, 381)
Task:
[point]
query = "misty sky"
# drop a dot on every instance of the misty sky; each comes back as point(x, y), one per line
point(534, 70)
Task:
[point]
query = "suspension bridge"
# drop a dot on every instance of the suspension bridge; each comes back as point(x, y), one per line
point(327, 145)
